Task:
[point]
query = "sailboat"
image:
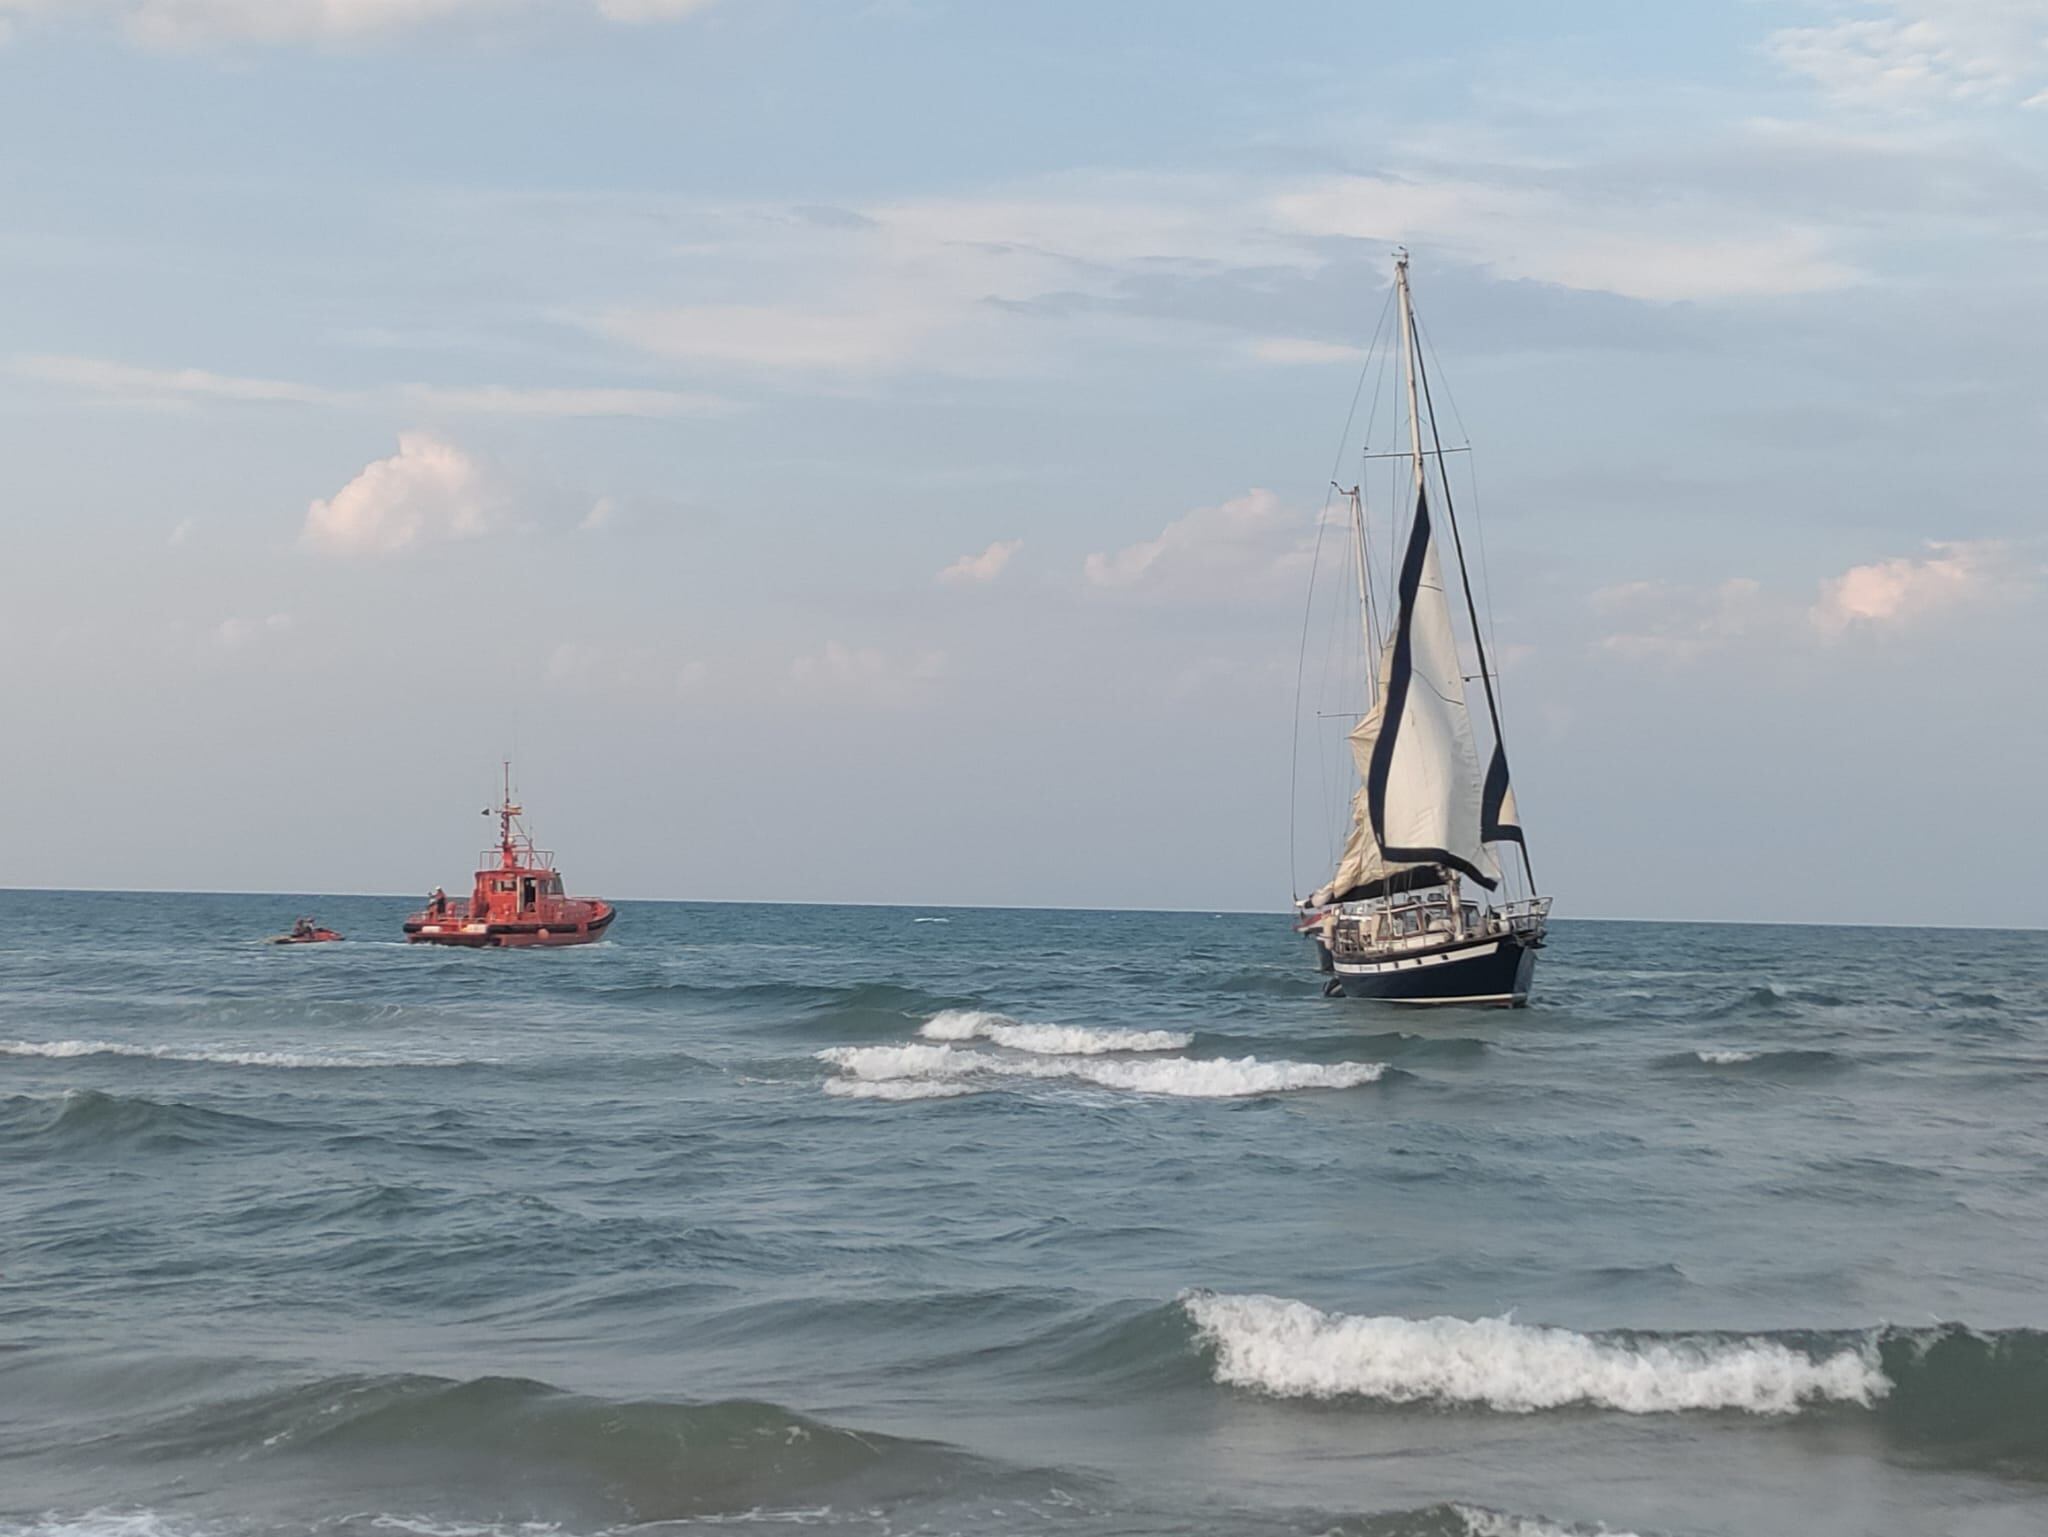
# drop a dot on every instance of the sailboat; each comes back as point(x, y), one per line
point(1416, 910)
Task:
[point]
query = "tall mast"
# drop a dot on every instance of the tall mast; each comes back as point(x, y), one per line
point(1367, 619)
point(1408, 360)
point(1451, 516)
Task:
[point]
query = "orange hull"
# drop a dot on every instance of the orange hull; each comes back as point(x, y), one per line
point(577, 923)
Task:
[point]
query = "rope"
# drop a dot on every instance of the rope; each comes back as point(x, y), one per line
point(1308, 606)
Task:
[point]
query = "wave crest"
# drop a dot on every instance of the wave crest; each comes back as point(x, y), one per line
point(1179, 1077)
point(1046, 1040)
point(1292, 1350)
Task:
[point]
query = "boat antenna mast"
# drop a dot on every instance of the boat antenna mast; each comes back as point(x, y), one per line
point(508, 813)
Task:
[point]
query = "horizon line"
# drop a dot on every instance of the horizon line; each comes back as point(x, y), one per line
point(1026, 907)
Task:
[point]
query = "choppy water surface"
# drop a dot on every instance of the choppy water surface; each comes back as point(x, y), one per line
point(892, 1221)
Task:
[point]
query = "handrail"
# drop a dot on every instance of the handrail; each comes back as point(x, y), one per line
point(536, 859)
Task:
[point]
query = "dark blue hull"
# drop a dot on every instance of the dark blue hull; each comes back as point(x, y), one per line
point(1496, 970)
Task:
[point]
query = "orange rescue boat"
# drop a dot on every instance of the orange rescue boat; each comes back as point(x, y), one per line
point(517, 899)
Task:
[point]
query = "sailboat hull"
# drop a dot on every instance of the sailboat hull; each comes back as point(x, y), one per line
point(1495, 970)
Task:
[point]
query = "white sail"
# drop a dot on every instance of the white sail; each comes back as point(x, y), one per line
point(1419, 797)
point(1362, 865)
point(1422, 787)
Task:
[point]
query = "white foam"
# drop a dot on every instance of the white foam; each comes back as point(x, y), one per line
point(1182, 1077)
point(1225, 1078)
point(424, 1526)
point(1498, 1523)
point(110, 1522)
point(107, 1522)
point(1046, 1040)
point(221, 1055)
point(899, 1088)
point(882, 1062)
point(1292, 1350)
point(1724, 1057)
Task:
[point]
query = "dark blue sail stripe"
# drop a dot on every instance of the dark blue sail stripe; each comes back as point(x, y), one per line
point(1400, 675)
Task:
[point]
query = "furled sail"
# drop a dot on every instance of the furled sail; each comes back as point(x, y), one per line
point(1420, 804)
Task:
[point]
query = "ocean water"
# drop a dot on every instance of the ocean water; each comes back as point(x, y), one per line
point(883, 1220)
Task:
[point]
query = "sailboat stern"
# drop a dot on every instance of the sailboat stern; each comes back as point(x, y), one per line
point(1492, 970)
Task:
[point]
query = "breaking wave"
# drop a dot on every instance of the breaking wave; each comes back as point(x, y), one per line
point(1181, 1077)
point(229, 1058)
point(1048, 1040)
point(1291, 1350)
point(1475, 1521)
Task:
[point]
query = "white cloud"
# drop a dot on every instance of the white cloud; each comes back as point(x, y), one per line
point(163, 386)
point(1642, 247)
point(136, 384)
point(195, 23)
point(184, 22)
point(1017, 277)
point(1300, 349)
point(182, 531)
point(1251, 545)
point(953, 284)
point(1661, 621)
point(866, 674)
point(650, 673)
point(504, 400)
point(651, 10)
point(428, 491)
point(233, 634)
point(1675, 622)
point(781, 336)
point(1916, 53)
point(985, 567)
point(575, 662)
point(1889, 592)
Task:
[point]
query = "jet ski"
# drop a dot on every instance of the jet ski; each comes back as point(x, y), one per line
point(305, 932)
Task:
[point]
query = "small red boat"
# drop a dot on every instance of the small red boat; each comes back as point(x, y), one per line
point(517, 899)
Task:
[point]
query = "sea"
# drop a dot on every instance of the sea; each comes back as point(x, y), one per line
point(876, 1220)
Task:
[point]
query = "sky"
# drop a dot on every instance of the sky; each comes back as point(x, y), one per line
point(868, 450)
